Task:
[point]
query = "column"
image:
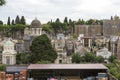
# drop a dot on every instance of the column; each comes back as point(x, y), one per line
point(89, 43)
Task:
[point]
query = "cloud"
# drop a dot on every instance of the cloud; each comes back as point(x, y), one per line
point(45, 10)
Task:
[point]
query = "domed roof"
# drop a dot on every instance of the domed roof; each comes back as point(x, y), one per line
point(36, 24)
point(9, 43)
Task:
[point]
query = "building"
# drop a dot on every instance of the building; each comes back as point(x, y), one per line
point(118, 48)
point(81, 50)
point(113, 44)
point(104, 53)
point(111, 27)
point(19, 46)
point(9, 53)
point(88, 30)
point(65, 71)
point(60, 48)
point(34, 30)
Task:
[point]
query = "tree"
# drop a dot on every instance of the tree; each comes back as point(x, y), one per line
point(76, 58)
point(114, 69)
point(66, 20)
point(99, 59)
point(80, 22)
point(41, 50)
point(22, 58)
point(111, 18)
point(57, 20)
point(89, 57)
point(8, 22)
point(22, 21)
point(57, 26)
point(2, 2)
point(1, 23)
point(2, 67)
point(13, 22)
point(17, 20)
point(112, 58)
point(18, 27)
point(46, 28)
point(90, 21)
point(70, 22)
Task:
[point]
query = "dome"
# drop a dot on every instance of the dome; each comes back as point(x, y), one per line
point(35, 24)
point(9, 43)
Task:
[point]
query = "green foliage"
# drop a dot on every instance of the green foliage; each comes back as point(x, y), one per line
point(90, 21)
point(114, 68)
point(112, 58)
point(22, 58)
point(116, 17)
point(1, 23)
point(66, 20)
point(13, 22)
point(44, 62)
point(42, 50)
point(80, 22)
point(76, 58)
point(17, 20)
point(22, 21)
point(2, 2)
point(57, 20)
point(93, 21)
point(8, 22)
point(75, 36)
point(57, 26)
point(89, 57)
point(4, 27)
point(99, 59)
point(46, 28)
point(2, 67)
point(18, 27)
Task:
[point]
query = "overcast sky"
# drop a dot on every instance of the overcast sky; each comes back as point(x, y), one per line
point(45, 10)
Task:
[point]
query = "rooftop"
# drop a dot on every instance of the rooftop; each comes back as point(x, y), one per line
point(15, 68)
point(67, 66)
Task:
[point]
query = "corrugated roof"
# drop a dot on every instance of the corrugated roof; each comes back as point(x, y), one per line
point(67, 66)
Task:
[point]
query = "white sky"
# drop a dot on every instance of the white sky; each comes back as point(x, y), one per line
point(45, 10)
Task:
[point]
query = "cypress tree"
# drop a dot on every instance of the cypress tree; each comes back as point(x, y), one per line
point(17, 20)
point(22, 21)
point(66, 20)
point(8, 22)
point(57, 20)
point(13, 22)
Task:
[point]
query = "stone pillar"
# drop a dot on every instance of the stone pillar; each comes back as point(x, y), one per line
point(89, 43)
point(83, 42)
point(113, 48)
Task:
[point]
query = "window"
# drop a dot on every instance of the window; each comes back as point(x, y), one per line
point(8, 60)
point(60, 61)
